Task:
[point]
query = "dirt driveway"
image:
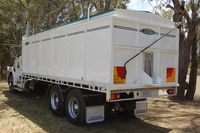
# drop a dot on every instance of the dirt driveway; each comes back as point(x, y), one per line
point(24, 113)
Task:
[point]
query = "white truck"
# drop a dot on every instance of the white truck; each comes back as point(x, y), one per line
point(114, 60)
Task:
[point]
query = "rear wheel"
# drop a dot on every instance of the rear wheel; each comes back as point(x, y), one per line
point(75, 107)
point(56, 101)
point(11, 84)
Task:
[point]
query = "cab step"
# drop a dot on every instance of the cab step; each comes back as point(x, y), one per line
point(18, 89)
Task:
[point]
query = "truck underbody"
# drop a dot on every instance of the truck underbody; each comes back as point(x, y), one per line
point(87, 103)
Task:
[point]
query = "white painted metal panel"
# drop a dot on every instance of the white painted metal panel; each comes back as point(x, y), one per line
point(168, 42)
point(145, 40)
point(34, 56)
point(76, 56)
point(48, 58)
point(125, 46)
point(88, 55)
point(134, 68)
point(99, 51)
point(125, 32)
point(143, 17)
point(167, 60)
point(59, 56)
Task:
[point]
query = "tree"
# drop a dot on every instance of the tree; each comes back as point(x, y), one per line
point(45, 14)
point(189, 14)
point(10, 31)
point(41, 15)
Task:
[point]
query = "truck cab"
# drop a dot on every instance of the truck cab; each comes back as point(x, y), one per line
point(14, 75)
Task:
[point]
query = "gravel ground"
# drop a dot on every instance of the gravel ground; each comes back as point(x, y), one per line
point(25, 113)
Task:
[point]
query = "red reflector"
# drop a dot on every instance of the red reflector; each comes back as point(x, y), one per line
point(171, 72)
point(115, 96)
point(171, 91)
point(121, 72)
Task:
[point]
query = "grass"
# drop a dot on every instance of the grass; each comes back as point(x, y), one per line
point(25, 112)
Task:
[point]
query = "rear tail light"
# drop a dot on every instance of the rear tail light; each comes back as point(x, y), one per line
point(115, 96)
point(171, 91)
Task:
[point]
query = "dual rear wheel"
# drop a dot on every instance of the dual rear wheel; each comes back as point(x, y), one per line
point(72, 105)
point(56, 101)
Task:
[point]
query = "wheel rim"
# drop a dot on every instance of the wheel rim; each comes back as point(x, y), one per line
point(54, 101)
point(73, 107)
point(10, 82)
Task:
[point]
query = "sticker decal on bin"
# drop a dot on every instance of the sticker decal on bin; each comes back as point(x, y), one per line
point(170, 74)
point(119, 75)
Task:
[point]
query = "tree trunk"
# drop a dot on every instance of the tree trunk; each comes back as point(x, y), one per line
point(184, 52)
point(101, 5)
point(184, 56)
point(107, 4)
point(193, 73)
point(1, 74)
point(75, 15)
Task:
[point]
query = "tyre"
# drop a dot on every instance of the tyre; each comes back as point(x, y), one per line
point(11, 84)
point(75, 107)
point(56, 101)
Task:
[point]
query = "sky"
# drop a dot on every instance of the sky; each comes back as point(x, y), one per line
point(140, 5)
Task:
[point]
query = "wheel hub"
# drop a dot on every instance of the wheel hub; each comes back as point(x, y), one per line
point(10, 82)
point(54, 101)
point(73, 107)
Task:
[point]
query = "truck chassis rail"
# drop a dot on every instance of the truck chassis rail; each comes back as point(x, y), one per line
point(138, 91)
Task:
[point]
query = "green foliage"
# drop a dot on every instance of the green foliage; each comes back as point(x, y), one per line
point(42, 15)
point(167, 14)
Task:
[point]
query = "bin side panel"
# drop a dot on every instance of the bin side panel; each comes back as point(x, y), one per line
point(76, 55)
point(99, 51)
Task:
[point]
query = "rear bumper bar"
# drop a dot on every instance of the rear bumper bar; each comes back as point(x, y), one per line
point(142, 86)
point(141, 91)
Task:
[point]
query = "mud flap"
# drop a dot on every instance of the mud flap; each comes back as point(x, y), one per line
point(140, 108)
point(94, 114)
